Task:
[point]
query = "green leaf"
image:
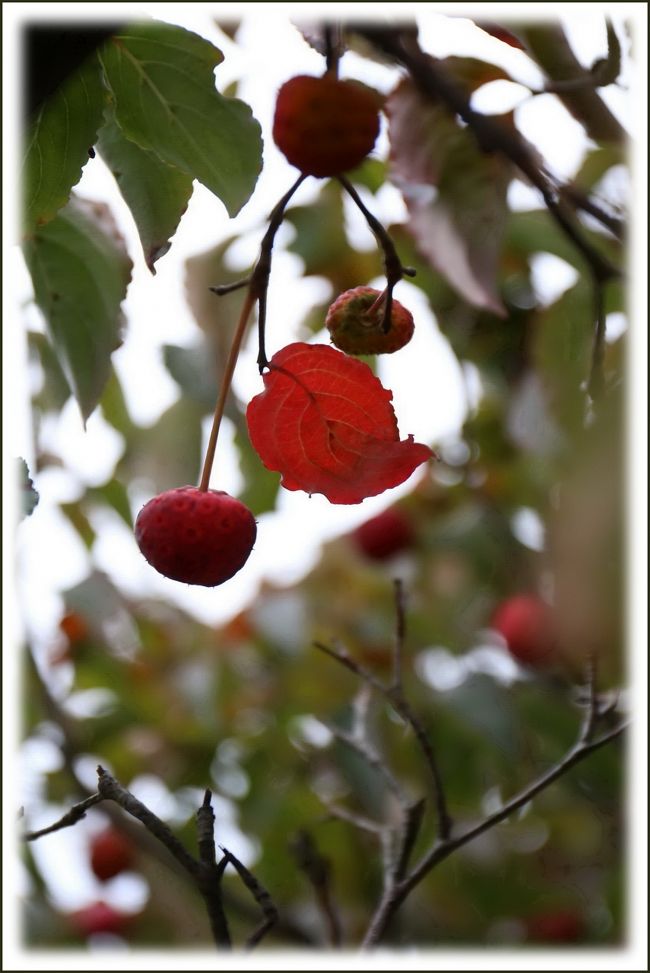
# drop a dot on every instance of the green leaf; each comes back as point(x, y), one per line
point(194, 370)
point(55, 391)
point(162, 82)
point(262, 485)
point(323, 246)
point(80, 271)
point(157, 194)
point(29, 496)
point(58, 141)
point(169, 453)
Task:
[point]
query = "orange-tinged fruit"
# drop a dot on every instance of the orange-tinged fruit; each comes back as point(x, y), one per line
point(325, 126)
point(355, 322)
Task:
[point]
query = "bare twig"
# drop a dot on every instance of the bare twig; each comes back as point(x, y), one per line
point(76, 813)
point(112, 790)
point(394, 896)
point(593, 713)
point(260, 895)
point(318, 871)
point(211, 873)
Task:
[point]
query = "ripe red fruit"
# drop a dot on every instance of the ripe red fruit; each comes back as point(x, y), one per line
point(110, 853)
point(358, 330)
point(325, 126)
point(560, 926)
point(99, 918)
point(525, 622)
point(384, 535)
point(196, 536)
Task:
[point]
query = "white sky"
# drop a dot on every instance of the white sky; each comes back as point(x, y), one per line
point(429, 402)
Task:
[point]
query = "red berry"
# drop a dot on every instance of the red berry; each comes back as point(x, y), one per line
point(358, 330)
point(384, 535)
point(99, 918)
point(196, 536)
point(525, 622)
point(561, 926)
point(325, 126)
point(110, 853)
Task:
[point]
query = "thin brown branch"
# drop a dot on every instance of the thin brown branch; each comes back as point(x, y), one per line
point(409, 833)
point(211, 874)
point(397, 700)
point(592, 714)
point(260, 895)
point(76, 813)
point(492, 136)
point(112, 790)
point(400, 632)
point(317, 869)
point(395, 896)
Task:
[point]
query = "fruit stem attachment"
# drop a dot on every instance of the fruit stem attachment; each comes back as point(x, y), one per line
point(257, 284)
point(229, 371)
point(393, 267)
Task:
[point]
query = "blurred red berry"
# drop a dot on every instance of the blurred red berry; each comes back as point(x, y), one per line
point(384, 535)
point(560, 926)
point(110, 853)
point(99, 918)
point(525, 622)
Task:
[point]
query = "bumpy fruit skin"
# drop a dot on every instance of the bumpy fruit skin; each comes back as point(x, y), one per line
point(110, 854)
point(196, 536)
point(324, 126)
point(99, 918)
point(525, 622)
point(357, 332)
point(384, 535)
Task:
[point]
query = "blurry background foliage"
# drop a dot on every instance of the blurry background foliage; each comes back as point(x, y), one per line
point(245, 707)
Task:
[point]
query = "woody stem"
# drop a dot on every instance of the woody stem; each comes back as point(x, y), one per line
point(233, 355)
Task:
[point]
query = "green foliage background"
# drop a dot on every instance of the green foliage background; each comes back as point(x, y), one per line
point(232, 708)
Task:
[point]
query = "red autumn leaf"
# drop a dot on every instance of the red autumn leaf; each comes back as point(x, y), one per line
point(327, 425)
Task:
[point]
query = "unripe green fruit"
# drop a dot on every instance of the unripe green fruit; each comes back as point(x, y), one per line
point(357, 329)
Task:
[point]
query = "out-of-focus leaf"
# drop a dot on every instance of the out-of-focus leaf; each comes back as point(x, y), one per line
point(322, 244)
point(501, 33)
point(484, 705)
point(596, 163)
point(194, 371)
point(472, 72)
point(162, 82)
point(56, 390)
point(535, 231)
point(261, 489)
point(29, 496)
point(156, 193)
point(57, 143)
point(371, 174)
point(169, 453)
point(114, 409)
point(607, 69)
point(79, 520)
point(80, 270)
point(114, 494)
point(455, 194)
point(562, 351)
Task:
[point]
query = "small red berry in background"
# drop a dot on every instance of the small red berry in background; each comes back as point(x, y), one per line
point(197, 536)
point(560, 926)
point(384, 535)
point(110, 853)
point(74, 626)
point(525, 622)
point(325, 126)
point(357, 329)
point(99, 918)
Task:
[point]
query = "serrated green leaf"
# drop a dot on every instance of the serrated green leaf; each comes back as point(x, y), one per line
point(157, 194)
point(162, 82)
point(80, 271)
point(58, 141)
